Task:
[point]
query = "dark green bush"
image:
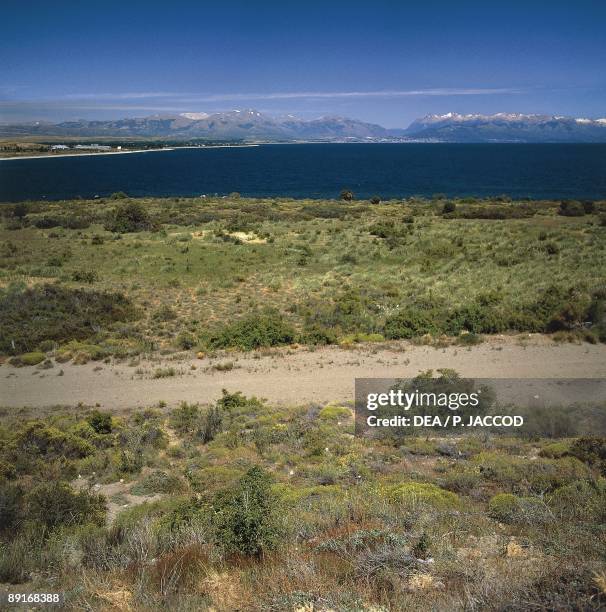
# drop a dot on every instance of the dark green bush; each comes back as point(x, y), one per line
point(246, 517)
point(101, 422)
point(254, 331)
point(128, 217)
point(54, 504)
point(317, 335)
point(409, 323)
point(184, 418)
point(36, 439)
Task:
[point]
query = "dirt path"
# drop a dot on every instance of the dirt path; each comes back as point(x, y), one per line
point(291, 376)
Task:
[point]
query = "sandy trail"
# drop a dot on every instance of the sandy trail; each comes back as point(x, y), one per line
point(292, 376)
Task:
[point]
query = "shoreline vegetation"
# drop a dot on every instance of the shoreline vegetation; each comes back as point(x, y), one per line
point(209, 496)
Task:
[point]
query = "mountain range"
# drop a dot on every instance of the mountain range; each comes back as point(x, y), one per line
point(253, 126)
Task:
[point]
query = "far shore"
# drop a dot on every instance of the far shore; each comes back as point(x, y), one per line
point(89, 153)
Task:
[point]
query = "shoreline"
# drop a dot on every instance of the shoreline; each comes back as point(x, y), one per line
point(53, 156)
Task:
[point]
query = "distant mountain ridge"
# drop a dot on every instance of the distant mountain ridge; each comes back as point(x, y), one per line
point(252, 126)
point(236, 125)
point(507, 127)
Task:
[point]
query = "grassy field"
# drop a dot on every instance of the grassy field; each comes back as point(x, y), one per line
point(207, 273)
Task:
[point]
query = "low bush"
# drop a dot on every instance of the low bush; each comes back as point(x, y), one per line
point(129, 217)
point(254, 331)
point(35, 439)
point(580, 500)
point(411, 494)
point(101, 422)
point(509, 508)
point(54, 504)
point(28, 359)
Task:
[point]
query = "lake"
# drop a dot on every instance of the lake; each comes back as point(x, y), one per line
point(574, 171)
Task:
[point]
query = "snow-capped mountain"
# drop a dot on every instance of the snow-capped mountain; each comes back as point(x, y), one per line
point(507, 127)
point(249, 125)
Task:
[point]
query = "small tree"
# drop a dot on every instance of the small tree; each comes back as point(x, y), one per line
point(246, 517)
point(375, 200)
point(347, 195)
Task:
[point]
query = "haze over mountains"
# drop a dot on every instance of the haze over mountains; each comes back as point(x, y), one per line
point(253, 126)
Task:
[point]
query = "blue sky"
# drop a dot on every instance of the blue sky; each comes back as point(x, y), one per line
point(379, 61)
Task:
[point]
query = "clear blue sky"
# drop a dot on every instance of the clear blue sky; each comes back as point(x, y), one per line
point(380, 61)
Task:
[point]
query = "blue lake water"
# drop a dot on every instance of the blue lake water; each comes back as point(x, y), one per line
point(575, 171)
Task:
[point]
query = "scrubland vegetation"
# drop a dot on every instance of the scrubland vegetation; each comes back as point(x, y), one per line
point(118, 276)
point(242, 505)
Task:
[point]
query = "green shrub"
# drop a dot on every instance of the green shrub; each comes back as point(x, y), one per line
point(54, 504)
point(504, 507)
point(101, 422)
point(413, 493)
point(28, 359)
point(128, 217)
point(580, 500)
point(232, 402)
point(509, 508)
point(184, 418)
point(246, 517)
point(334, 413)
point(254, 331)
point(317, 335)
point(522, 476)
point(408, 324)
point(36, 439)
